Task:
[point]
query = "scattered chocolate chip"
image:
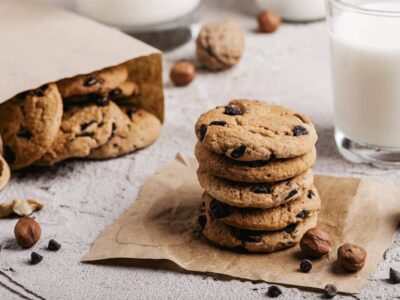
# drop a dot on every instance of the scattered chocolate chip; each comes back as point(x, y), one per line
point(219, 123)
point(310, 194)
point(394, 276)
point(36, 258)
point(202, 221)
point(232, 110)
point(24, 133)
point(90, 81)
point(330, 291)
point(202, 131)
point(114, 93)
point(238, 152)
point(290, 228)
point(247, 236)
point(262, 188)
point(84, 126)
point(305, 265)
point(219, 210)
point(291, 194)
point(303, 214)
point(299, 130)
point(9, 155)
point(274, 291)
point(53, 245)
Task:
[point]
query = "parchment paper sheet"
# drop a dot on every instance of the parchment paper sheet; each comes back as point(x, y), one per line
point(162, 224)
point(42, 43)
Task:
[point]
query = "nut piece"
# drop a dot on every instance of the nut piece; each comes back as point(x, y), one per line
point(351, 257)
point(27, 232)
point(268, 21)
point(182, 73)
point(315, 243)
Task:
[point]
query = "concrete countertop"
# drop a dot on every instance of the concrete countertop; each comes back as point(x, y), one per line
point(290, 67)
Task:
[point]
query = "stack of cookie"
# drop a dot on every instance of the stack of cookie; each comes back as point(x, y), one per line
point(84, 116)
point(254, 164)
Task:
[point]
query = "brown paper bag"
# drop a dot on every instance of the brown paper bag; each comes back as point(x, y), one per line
point(162, 224)
point(42, 43)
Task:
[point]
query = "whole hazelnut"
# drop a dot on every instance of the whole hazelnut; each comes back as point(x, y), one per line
point(351, 257)
point(182, 73)
point(315, 243)
point(27, 232)
point(269, 21)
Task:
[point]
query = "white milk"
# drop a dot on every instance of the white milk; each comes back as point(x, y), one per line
point(365, 52)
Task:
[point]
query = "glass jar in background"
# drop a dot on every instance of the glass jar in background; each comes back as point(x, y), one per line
point(365, 60)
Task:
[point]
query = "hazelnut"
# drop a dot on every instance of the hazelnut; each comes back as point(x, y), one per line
point(27, 232)
point(268, 21)
point(315, 243)
point(351, 257)
point(182, 73)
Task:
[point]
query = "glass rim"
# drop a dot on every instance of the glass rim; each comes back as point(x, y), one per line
point(362, 10)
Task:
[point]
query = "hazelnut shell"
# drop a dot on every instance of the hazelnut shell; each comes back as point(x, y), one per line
point(351, 257)
point(27, 232)
point(315, 243)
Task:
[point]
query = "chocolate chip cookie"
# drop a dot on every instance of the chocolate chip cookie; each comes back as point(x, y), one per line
point(93, 83)
point(254, 171)
point(254, 241)
point(4, 173)
point(83, 128)
point(220, 45)
point(138, 129)
point(249, 130)
point(270, 219)
point(257, 195)
point(29, 124)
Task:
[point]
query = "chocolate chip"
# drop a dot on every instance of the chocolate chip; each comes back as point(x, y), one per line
point(84, 126)
point(114, 93)
point(238, 152)
point(299, 130)
point(85, 133)
point(100, 100)
point(90, 81)
point(130, 112)
point(219, 210)
point(24, 133)
point(41, 91)
point(219, 123)
point(53, 245)
point(274, 291)
point(262, 188)
point(290, 228)
point(22, 95)
point(330, 291)
point(257, 163)
point(202, 221)
point(232, 110)
point(36, 258)
point(303, 214)
point(247, 236)
point(305, 265)
point(310, 194)
point(202, 132)
point(9, 155)
point(291, 194)
point(394, 276)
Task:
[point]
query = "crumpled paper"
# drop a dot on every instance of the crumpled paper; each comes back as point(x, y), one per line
point(162, 225)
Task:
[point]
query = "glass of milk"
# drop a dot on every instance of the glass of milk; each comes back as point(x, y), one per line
point(365, 60)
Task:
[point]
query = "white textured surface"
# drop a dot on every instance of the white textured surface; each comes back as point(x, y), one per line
point(290, 67)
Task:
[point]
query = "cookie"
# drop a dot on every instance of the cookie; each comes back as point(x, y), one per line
point(270, 219)
point(138, 129)
point(248, 130)
point(93, 83)
point(83, 128)
point(255, 171)
point(4, 173)
point(220, 45)
point(254, 241)
point(29, 124)
point(257, 195)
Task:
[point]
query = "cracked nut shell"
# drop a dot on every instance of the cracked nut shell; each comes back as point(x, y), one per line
point(27, 232)
point(351, 257)
point(315, 243)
